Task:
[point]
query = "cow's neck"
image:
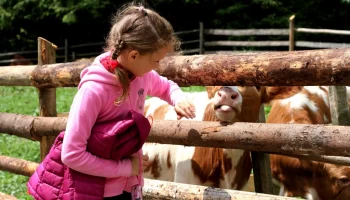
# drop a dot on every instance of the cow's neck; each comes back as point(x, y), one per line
point(217, 164)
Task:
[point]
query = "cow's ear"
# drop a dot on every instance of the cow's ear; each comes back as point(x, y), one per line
point(211, 90)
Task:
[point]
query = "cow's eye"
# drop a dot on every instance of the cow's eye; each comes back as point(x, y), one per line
point(344, 180)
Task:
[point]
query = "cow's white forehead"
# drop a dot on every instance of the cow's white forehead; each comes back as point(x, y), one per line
point(234, 88)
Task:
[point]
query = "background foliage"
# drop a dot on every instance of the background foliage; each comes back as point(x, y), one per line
point(83, 21)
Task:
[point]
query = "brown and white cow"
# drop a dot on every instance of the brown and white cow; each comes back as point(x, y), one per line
point(297, 177)
point(216, 167)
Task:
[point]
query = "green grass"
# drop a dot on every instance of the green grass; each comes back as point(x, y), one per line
point(24, 100)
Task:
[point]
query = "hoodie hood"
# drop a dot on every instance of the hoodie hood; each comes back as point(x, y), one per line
point(97, 72)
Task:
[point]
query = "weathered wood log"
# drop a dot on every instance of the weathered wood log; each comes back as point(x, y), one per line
point(29, 127)
point(284, 138)
point(4, 196)
point(274, 138)
point(338, 160)
point(17, 166)
point(16, 75)
point(58, 75)
point(154, 189)
point(307, 67)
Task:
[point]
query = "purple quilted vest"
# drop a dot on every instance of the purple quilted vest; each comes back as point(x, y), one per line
point(111, 140)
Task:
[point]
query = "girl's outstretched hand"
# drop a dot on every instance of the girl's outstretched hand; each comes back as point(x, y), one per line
point(185, 108)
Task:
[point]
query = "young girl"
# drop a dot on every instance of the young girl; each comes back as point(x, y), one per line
point(116, 82)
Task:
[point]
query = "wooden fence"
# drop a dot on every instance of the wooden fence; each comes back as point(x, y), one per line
point(321, 67)
point(208, 41)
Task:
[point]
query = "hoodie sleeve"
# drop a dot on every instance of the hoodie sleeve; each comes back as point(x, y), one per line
point(164, 88)
point(84, 110)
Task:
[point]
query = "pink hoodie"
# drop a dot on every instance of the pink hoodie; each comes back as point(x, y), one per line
point(94, 102)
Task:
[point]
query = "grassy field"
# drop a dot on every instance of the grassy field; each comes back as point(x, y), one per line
point(24, 100)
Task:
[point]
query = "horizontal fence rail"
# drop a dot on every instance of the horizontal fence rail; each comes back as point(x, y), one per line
point(245, 32)
point(272, 138)
point(325, 31)
point(153, 189)
point(320, 45)
point(248, 43)
point(295, 68)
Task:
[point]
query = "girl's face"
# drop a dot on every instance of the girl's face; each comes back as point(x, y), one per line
point(141, 64)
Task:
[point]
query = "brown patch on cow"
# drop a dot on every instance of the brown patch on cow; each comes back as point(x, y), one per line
point(306, 116)
point(160, 112)
point(279, 113)
point(208, 165)
point(243, 170)
point(295, 174)
point(227, 163)
point(279, 92)
point(251, 102)
point(154, 167)
point(168, 160)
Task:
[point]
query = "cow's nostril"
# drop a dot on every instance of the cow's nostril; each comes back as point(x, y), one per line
point(219, 93)
point(233, 96)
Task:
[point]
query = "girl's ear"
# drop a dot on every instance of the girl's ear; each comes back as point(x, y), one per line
point(133, 54)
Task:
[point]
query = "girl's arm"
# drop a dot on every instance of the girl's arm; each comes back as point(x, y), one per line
point(84, 110)
point(165, 89)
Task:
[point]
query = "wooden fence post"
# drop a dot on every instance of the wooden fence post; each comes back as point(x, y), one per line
point(291, 33)
point(261, 166)
point(338, 103)
point(201, 38)
point(47, 96)
point(65, 50)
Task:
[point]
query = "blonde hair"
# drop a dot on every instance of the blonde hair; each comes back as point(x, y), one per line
point(141, 29)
